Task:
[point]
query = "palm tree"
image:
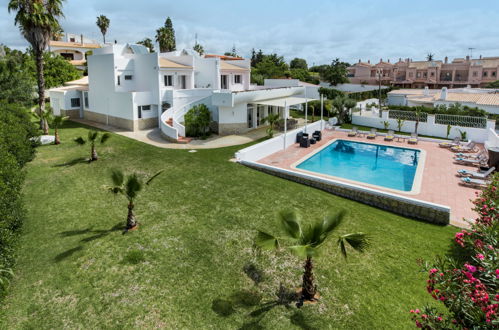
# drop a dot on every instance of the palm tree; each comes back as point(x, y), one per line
point(37, 21)
point(92, 139)
point(307, 240)
point(44, 117)
point(417, 113)
point(147, 42)
point(400, 123)
point(129, 187)
point(57, 122)
point(429, 57)
point(199, 49)
point(103, 24)
point(272, 119)
point(165, 36)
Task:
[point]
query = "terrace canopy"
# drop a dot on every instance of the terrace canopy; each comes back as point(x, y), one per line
point(285, 101)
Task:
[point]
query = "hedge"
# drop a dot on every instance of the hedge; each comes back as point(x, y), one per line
point(454, 109)
point(16, 149)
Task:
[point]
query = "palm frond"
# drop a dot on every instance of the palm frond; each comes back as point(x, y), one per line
point(303, 251)
point(118, 177)
point(132, 186)
point(92, 135)
point(116, 190)
point(332, 221)
point(290, 223)
point(358, 241)
point(266, 241)
point(80, 140)
point(154, 177)
point(105, 137)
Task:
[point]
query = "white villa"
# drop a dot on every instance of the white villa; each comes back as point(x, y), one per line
point(74, 48)
point(130, 88)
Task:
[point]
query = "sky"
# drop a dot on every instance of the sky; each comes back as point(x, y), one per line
point(318, 31)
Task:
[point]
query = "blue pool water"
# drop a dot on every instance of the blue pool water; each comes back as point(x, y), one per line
point(380, 165)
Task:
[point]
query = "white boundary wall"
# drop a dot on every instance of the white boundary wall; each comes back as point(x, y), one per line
point(493, 140)
point(429, 128)
point(268, 147)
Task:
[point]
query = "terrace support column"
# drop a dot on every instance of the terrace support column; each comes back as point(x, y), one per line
point(322, 109)
point(306, 113)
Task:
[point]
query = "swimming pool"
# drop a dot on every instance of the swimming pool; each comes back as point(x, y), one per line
point(380, 165)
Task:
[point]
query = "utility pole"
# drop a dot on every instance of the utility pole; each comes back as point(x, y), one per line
point(379, 74)
point(471, 52)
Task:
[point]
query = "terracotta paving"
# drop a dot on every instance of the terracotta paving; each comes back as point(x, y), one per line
point(439, 185)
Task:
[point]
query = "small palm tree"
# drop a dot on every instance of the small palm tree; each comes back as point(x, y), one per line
point(92, 139)
point(44, 117)
point(129, 187)
point(57, 122)
point(400, 123)
point(306, 242)
point(429, 57)
point(272, 119)
point(103, 24)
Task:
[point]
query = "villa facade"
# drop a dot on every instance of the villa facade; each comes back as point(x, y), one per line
point(74, 48)
point(461, 72)
point(130, 88)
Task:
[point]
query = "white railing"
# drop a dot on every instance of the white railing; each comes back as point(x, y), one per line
point(166, 129)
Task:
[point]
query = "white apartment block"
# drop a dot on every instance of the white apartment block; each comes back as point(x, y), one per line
point(130, 88)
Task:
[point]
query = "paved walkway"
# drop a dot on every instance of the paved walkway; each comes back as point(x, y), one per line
point(153, 137)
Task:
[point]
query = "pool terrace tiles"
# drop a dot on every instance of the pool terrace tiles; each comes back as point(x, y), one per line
point(440, 184)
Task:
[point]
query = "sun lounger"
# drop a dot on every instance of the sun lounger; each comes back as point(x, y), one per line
point(454, 143)
point(469, 156)
point(474, 182)
point(413, 139)
point(389, 136)
point(372, 134)
point(469, 147)
point(353, 132)
point(475, 174)
point(472, 161)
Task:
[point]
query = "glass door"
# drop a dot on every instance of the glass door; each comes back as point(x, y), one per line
point(223, 82)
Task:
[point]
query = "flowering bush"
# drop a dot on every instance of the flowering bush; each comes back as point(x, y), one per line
point(467, 282)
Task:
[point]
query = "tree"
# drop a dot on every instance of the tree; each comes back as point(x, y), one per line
point(57, 70)
point(129, 187)
point(56, 122)
point(298, 63)
point(429, 57)
point(92, 139)
point(232, 53)
point(199, 49)
point(400, 123)
point(417, 112)
point(271, 66)
point(37, 20)
point(44, 118)
point(339, 104)
point(165, 36)
point(16, 81)
point(306, 240)
point(272, 119)
point(147, 42)
point(103, 24)
point(494, 84)
point(197, 121)
point(336, 73)
point(256, 57)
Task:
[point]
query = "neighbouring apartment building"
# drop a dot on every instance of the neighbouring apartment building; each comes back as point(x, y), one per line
point(130, 88)
point(461, 72)
point(483, 98)
point(74, 48)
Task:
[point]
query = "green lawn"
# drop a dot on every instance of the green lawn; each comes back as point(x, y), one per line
point(183, 268)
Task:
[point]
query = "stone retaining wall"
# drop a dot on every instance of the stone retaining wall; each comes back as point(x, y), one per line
point(408, 207)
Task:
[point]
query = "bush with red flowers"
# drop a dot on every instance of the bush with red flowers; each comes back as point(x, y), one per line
point(467, 281)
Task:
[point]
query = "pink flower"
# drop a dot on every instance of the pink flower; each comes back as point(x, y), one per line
point(480, 256)
point(470, 268)
point(433, 270)
point(439, 319)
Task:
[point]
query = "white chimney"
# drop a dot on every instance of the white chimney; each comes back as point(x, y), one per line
point(426, 91)
point(443, 94)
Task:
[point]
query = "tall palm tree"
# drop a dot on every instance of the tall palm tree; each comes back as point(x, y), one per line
point(272, 119)
point(103, 24)
point(37, 20)
point(129, 187)
point(306, 241)
point(92, 139)
point(165, 36)
point(429, 57)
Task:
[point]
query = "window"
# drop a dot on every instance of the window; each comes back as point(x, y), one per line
point(143, 108)
point(493, 73)
point(72, 39)
point(485, 73)
point(119, 81)
point(425, 74)
point(418, 75)
point(475, 73)
point(75, 103)
point(411, 74)
point(432, 74)
point(85, 100)
point(128, 77)
point(238, 79)
point(169, 80)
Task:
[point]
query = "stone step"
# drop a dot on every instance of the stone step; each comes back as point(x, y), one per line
point(184, 140)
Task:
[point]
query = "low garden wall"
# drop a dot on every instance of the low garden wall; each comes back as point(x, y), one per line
point(270, 146)
point(405, 206)
point(430, 127)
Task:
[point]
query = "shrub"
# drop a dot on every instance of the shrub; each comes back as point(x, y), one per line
point(16, 149)
point(467, 281)
point(197, 121)
point(454, 109)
